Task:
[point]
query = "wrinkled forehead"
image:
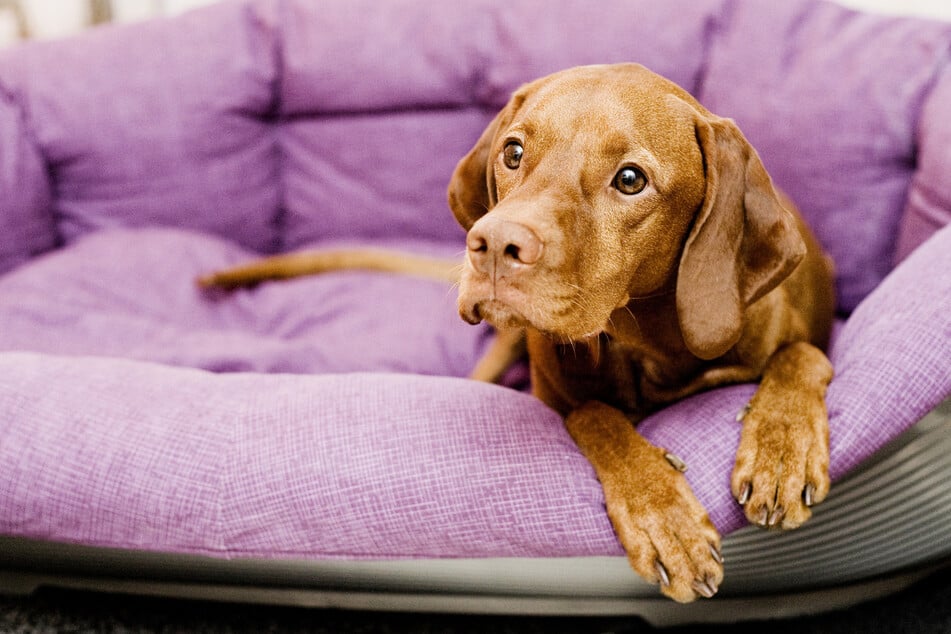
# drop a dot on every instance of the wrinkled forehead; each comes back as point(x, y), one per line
point(619, 107)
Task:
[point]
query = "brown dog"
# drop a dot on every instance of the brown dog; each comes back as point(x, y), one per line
point(638, 241)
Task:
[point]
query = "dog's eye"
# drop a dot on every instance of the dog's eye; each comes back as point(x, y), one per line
point(512, 154)
point(630, 181)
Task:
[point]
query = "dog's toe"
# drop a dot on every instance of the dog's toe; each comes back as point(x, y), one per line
point(782, 463)
point(682, 561)
point(671, 542)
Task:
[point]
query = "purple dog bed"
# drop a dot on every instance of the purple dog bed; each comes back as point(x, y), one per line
point(317, 434)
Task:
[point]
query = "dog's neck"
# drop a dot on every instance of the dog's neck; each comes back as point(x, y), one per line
point(635, 363)
point(647, 323)
point(647, 331)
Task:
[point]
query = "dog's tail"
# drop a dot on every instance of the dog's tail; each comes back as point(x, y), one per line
point(289, 265)
point(505, 350)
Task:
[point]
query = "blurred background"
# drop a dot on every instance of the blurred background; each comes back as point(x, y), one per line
point(43, 19)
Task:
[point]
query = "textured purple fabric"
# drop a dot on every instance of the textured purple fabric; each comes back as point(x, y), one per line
point(138, 455)
point(26, 224)
point(135, 131)
point(830, 99)
point(382, 157)
point(77, 301)
point(410, 55)
point(893, 356)
point(349, 176)
point(156, 152)
point(928, 207)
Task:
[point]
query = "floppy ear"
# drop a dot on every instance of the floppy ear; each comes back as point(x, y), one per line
point(472, 186)
point(743, 242)
point(472, 190)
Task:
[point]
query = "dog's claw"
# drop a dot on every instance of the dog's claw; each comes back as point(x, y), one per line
point(676, 462)
point(808, 495)
point(662, 573)
point(704, 588)
point(745, 494)
point(715, 553)
point(742, 413)
point(776, 517)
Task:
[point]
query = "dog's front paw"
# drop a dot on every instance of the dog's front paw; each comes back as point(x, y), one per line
point(668, 537)
point(782, 464)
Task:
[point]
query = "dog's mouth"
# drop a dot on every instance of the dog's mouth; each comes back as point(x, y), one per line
point(555, 314)
point(496, 312)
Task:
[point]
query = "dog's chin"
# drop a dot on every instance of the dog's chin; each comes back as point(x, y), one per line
point(497, 313)
point(501, 315)
point(507, 307)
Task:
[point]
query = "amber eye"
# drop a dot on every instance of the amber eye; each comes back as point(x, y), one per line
point(630, 181)
point(512, 154)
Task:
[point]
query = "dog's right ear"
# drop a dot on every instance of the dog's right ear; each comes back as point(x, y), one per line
point(472, 186)
point(743, 243)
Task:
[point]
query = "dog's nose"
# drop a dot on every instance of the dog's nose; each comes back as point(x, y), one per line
point(497, 245)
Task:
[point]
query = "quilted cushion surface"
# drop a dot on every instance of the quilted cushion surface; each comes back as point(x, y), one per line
point(131, 293)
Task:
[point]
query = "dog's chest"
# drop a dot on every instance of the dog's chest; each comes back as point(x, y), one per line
point(635, 378)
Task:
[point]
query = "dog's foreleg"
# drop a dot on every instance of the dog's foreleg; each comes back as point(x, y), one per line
point(507, 348)
point(782, 464)
point(668, 537)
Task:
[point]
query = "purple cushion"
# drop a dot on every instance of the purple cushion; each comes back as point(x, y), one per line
point(349, 176)
point(76, 301)
point(830, 99)
point(928, 207)
point(26, 223)
point(250, 133)
point(438, 55)
point(344, 465)
point(380, 158)
point(135, 131)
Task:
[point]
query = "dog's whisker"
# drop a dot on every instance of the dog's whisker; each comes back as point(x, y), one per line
point(637, 325)
point(580, 299)
point(597, 349)
point(669, 291)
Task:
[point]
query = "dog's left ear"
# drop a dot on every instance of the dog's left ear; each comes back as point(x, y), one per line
point(743, 242)
point(471, 189)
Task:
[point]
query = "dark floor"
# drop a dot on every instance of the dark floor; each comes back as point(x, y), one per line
point(921, 609)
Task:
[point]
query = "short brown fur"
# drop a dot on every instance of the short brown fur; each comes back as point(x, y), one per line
point(704, 278)
point(629, 302)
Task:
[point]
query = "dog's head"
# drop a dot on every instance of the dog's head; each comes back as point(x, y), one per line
point(601, 184)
